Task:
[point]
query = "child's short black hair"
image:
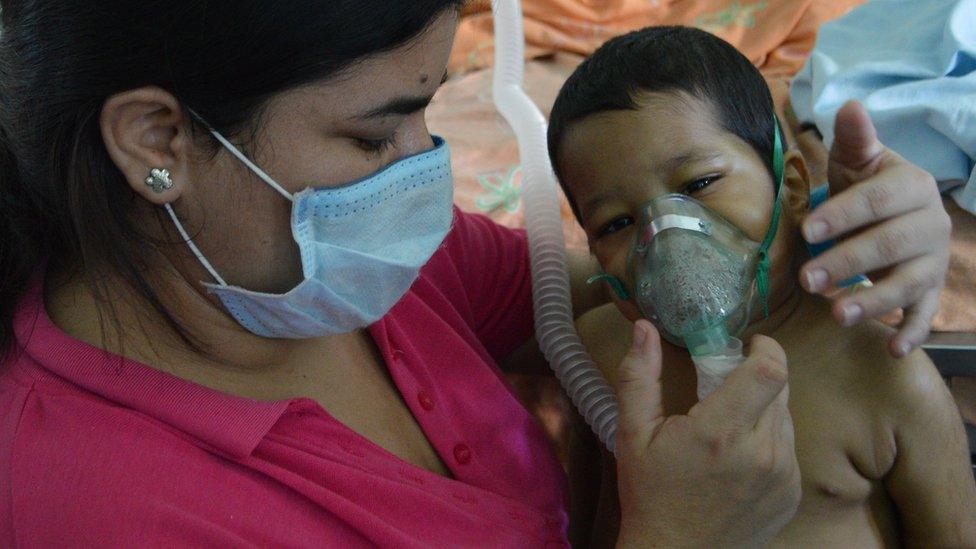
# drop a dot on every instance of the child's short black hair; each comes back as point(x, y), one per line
point(668, 59)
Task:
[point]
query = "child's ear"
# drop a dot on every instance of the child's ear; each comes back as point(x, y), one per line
point(796, 185)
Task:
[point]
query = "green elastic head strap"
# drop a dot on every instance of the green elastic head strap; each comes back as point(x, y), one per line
point(779, 167)
point(615, 284)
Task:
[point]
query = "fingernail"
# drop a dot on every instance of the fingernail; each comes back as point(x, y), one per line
point(817, 280)
point(904, 348)
point(852, 314)
point(639, 337)
point(815, 231)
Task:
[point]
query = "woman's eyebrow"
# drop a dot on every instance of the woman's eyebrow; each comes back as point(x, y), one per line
point(401, 106)
point(398, 106)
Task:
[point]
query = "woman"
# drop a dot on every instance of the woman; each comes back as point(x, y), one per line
point(238, 307)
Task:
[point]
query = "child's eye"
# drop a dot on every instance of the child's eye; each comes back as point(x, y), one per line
point(377, 145)
point(700, 184)
point(615, 226)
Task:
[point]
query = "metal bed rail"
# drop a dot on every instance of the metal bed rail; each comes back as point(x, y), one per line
point(954, 354)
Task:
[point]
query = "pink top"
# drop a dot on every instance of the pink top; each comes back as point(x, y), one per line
point(98, 450)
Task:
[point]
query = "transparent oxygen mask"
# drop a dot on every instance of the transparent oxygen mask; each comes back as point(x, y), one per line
point(695, 279)
point(698, 278)
point(694, 274)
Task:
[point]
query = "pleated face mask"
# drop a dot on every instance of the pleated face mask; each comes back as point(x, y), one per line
point(694, 271)
point(362, 246)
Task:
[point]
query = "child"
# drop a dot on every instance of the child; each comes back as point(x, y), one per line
point(670, 110)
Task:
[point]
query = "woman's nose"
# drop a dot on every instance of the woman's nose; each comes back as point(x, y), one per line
point(415, 136)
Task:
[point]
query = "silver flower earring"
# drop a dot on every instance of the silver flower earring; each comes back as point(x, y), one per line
point(159, 180)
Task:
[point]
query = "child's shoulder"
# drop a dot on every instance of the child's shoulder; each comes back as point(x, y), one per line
point(848, 371)
point(606, 334)
point(846, 366)
point(856, 358)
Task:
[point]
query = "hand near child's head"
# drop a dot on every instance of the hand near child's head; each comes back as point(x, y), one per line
point(901, 227)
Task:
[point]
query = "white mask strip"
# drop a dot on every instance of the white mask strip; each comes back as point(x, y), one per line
point(193, 247)
point(254, 168)
point(240, 156)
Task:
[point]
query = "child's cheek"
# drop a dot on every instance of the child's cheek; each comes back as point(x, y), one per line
point(748, 205)
point(613, 260)
point(628, 309)
point(612, 255)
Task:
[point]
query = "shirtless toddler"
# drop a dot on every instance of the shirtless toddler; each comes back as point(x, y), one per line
point(673, 110)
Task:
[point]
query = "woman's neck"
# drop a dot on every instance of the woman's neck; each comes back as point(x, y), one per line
point(223, 355)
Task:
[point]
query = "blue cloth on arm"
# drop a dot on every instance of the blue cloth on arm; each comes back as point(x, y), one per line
point(818, 196)
point(913, 65)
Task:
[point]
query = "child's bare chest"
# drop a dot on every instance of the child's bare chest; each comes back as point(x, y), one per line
point(844, 500)
point(844, 450)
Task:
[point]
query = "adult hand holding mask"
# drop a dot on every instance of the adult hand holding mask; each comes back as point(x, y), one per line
point(726, 474)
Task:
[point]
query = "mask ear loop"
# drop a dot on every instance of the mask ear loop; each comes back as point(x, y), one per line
point(779, 169)
point(614, 282)
point(193, 247)
point(247, 162)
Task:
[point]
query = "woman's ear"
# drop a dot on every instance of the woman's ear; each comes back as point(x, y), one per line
point(796, 185)
point(145, 133)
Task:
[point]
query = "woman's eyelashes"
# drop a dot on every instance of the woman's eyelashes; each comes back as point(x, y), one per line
point(377, 145)
point(615, 226)
point(700, 184)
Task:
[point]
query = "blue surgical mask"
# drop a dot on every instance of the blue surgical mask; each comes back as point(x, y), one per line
point(362, 246)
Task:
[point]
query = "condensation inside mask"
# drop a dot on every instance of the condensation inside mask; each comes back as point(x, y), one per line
point(693, 270)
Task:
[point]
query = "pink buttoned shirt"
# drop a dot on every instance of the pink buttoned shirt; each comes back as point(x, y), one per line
point(97, 450)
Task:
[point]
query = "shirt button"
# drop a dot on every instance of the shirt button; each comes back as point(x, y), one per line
point(426, 402)
point(462, 454)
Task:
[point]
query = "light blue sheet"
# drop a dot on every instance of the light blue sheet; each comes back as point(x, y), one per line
point(913, 65)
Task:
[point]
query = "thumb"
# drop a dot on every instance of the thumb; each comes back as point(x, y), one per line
point(856, 152)
point(639, 387)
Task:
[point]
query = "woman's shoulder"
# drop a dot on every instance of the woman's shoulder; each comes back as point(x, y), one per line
point(477, 259)
point(481, 274)
point(58, 430)
point(475, 241)
point(68, 460)
point(80, 468)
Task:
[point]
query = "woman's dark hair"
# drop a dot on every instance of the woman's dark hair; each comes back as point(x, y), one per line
point(668, 59)
point(62, 199)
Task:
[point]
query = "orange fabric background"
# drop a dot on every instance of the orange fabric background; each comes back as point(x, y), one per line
point(776, 35)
